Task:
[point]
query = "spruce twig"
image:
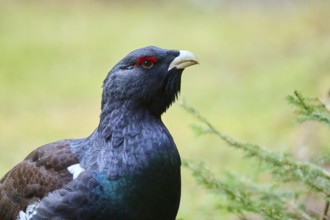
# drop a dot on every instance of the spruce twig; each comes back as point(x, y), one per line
point(246, 197)
point(309, 109)
point(282, 166)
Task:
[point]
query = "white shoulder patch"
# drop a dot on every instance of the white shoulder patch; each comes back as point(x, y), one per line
point(75, 170)
point(31, 210)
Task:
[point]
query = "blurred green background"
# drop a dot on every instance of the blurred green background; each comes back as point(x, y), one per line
point(54, 56)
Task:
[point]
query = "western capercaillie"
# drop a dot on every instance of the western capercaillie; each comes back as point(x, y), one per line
point(127, 169)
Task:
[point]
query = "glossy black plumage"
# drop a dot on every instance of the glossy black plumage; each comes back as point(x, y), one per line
point(129, 167)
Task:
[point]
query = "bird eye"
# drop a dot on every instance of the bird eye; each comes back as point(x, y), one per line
point(147, 64)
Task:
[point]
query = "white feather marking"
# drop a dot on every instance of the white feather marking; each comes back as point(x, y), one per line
point(31, 210)
point(76, 170)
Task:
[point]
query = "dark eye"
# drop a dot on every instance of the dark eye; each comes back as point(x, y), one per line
point(147, 64)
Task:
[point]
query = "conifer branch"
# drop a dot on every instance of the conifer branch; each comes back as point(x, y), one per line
point(282, 166)
point(244, 196)
point(309, 109)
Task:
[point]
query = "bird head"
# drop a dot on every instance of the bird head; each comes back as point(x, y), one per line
point(147, 78)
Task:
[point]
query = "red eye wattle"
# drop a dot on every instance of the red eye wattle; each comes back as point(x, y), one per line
point(146, 62)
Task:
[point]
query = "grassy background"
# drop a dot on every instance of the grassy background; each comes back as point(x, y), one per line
point(54, 57)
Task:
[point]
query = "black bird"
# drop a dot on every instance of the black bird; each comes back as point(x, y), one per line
point(127, 169)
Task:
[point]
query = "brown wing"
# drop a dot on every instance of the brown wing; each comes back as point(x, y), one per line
point(42, 171)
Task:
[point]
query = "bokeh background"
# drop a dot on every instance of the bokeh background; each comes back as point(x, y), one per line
point(54, 56)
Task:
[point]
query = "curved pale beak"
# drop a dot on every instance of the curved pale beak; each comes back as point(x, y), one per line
point(184, 60)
